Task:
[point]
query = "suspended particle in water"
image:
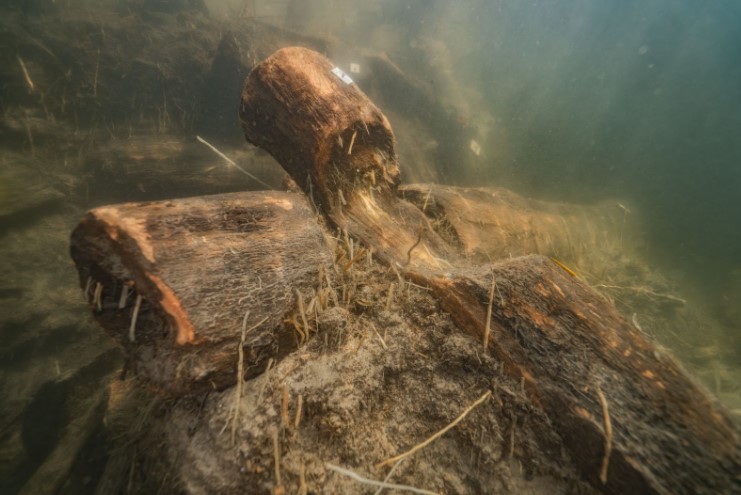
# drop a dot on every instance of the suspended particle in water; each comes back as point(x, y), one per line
point(475, 147)
point(643, 50)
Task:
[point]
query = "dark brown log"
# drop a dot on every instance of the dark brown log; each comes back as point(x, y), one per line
point(200, 265)
point(339, 148)
point(568, 345)
point(579, 360)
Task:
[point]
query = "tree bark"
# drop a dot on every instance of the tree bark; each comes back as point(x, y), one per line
point(579, 360)
point(205, 268)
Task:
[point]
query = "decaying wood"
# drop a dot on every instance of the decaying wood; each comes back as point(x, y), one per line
point(549, 328)
point(494, 223)
point(565, 341)
point(306, 116)
point(198, 264)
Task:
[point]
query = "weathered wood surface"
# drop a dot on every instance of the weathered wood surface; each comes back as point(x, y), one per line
point(494, 223)
point(199, 265)
point(568, 345)
point(563, 339)
point(339, 148)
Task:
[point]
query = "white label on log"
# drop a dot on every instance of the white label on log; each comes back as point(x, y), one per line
point(344, 77)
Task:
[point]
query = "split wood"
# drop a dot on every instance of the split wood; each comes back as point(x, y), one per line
point(437, 435)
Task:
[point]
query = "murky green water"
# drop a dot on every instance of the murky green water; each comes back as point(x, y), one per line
point(569, 100)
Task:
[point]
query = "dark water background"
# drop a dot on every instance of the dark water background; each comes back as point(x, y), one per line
point(569, 100)
point(639, 100)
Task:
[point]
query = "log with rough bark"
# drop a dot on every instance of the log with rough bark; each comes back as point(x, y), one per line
point(176, 282)
point(631, 418)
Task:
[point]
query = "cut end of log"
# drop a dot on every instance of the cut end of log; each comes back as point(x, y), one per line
point(320, 126)
point(170, 281)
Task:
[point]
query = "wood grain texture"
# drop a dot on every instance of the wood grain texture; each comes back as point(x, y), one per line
point(199, 265)
point(565, 342)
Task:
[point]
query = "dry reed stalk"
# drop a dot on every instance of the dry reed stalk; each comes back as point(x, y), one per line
point(278, 490)
point(380, 484)
point(303, 489)
point(86, 292)
point(608, 436)
point(124, 296)
point(487, 327)
point(301, 309)
point(284, 421)
point(437, 435)
point(97, 295)
point(388, 476)
point(352, 142)
point(134, 317)
point(26, 76)
point(299, 407)
point(265, 379)
point(232, 162)
point(240, 377)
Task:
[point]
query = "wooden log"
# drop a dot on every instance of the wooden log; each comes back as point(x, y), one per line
point(572, 350)
point(339, 148)
point(174, 282)
point(631, 418)
point(488, 223)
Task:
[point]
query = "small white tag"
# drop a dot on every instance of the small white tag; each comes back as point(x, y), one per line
point(344, 77)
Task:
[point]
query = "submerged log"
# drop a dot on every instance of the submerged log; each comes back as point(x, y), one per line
point(176, 282)
point(339, 148)
point(633, 421)
point(631, 418)
point(495, 223)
